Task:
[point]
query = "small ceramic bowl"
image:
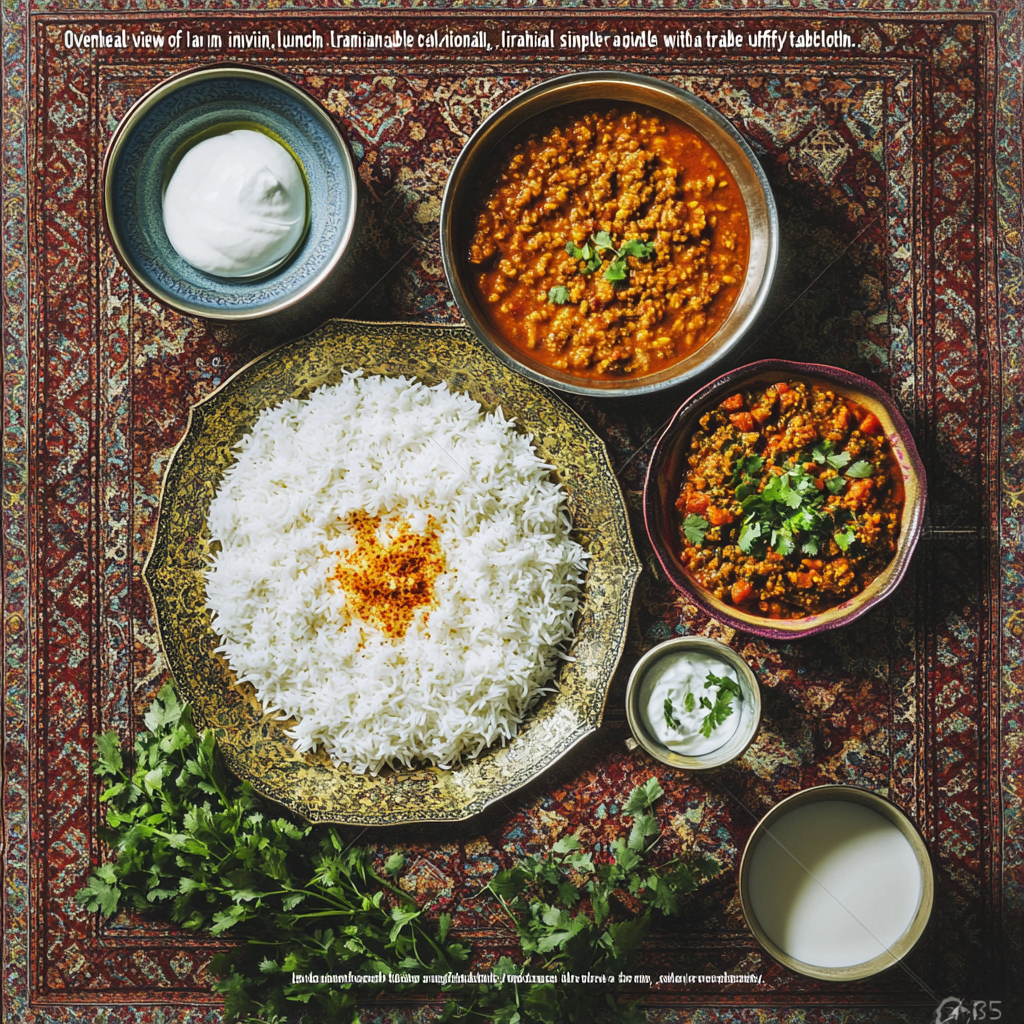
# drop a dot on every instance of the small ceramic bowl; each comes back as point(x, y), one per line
point(476, 161)
point(836, 883)
point(668, 462)
point(150, 141)
point(748, 709)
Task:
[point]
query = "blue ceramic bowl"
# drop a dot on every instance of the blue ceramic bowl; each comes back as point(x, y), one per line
point(151, 139)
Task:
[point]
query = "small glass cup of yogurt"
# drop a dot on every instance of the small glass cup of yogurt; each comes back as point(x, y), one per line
point(694, 703)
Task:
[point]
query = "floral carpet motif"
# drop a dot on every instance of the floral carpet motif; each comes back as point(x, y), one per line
point(894, 164)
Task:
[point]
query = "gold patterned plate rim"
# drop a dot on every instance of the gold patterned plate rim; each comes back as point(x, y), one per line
point(253, 743)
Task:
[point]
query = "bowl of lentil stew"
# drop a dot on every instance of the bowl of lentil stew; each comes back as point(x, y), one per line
point(785, 498)
point(608, 234)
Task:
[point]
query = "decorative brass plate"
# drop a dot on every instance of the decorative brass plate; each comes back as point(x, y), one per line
point(254, 744)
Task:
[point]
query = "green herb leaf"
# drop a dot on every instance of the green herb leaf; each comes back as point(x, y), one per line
point(507, 885)
point(643, 798)
point(782, 541)
point(844, 538)
point(99, 894)
point(108, 754)
point(750, 533)
point(558, 295)
point(567, 844)
point(670, 718)
point(690, 702)
point(634, 247)
point(823, 453)
point(722, 707)
point(617, 270)
point(724, 684)
point(753, 464)
point(694, 527)
point(644, 825)
point(593, 258)
point(860, 470)
point(588, 255)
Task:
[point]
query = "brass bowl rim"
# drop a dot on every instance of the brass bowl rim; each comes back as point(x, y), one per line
point(560, 91)
point(893, 814)
point(748, 683)
point(168, 86)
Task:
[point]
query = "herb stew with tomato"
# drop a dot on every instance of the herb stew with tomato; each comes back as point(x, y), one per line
point(791, 501)
point(613, 243)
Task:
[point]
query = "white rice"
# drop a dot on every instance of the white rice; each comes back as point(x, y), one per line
point(472, 661)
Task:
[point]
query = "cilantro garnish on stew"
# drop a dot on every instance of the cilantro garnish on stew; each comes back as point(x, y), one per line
point(695, 527)
point(790, 501)
point(788, 513)
point(594, 251)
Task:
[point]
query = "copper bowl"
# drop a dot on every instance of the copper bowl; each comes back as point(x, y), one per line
point(668, 461)
point(478, 155)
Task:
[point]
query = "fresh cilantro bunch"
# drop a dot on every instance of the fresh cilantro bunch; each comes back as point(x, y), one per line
point(577, 916)
point(191, 839)
point(593, 253)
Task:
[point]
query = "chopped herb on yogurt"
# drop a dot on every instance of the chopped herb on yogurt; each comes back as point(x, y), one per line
point(689, 700)
point(722, 707)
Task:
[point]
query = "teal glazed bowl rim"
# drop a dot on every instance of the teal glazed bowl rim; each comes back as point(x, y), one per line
point(190, 105)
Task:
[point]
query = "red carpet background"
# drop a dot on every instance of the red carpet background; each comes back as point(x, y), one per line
point(895, 163)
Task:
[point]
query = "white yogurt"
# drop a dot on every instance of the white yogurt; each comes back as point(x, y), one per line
point(236, 204)
point(835, 884)
point(674, 676)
